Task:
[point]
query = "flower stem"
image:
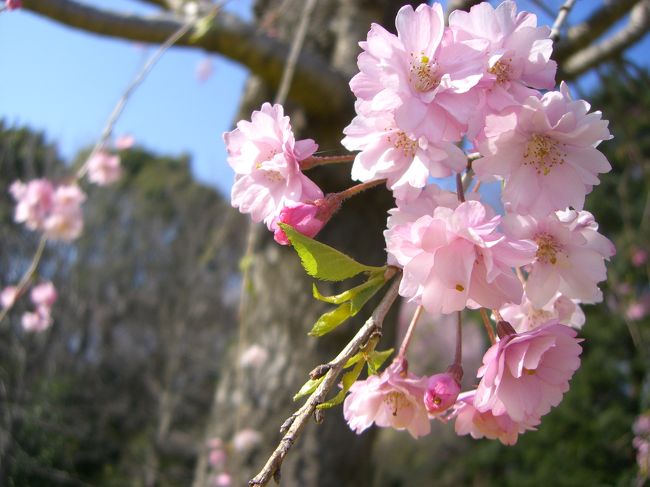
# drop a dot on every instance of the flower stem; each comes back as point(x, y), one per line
point(354, 190)
point(409, 334)
point(314, 161)
point(458, 356)
point(488, 326)
point(459, 188)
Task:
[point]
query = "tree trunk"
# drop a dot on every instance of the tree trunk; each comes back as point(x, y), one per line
point(279, 309)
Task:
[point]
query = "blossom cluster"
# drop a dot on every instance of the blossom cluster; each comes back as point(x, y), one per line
point(43, 296)
point(484, 82)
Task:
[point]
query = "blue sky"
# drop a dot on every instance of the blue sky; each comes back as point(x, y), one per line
point(66, 82)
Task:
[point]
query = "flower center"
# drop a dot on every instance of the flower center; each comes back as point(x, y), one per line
point(501, 70)
point(423, 73)
point(543, 153)
point(547, 248)
point(538, 316)
point(270, 174)
point(396, 400)
point(403, 142)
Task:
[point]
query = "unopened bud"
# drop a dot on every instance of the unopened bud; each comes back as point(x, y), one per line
point(442, 392)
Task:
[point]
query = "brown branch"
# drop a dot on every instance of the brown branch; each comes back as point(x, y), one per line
point(636, 28)
point(314, 81)
point(580, 36)
point(297, 422)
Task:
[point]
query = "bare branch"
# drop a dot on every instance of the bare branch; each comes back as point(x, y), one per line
point(316, 85)
point(561, 18)
point(581, 35)
point(298, 421)
point(591, 56)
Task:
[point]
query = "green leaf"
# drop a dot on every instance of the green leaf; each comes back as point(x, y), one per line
point(374, 279)
point(202, 27)
point(353, 360)
point(308, 388)
point(322, 261)
point(363, 296)
point(347, 381)
point(330, 320)
point(377, 359)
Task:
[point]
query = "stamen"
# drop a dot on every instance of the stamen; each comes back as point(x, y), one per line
point(402, 141)
point(544, 153)
point(547, 248)
point(501, 70)
point(423, 73)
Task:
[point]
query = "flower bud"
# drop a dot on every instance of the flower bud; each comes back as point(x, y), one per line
point(307, 218)
point(442, 392)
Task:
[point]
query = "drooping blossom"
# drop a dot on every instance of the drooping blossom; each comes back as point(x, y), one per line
point(422, 76)
point(265, 157)
point(570, 256)
point(388, 152)
point(34, 202)
point(525, 316)
point(8, 296)
point(442, 393)
point(394, 398)
point(485, 424)
point(37, 321)
point(246, 439)
point(254, 356)
point(546, 153)
point(13, 4)
point(65, 220)
point(104, 168)
point(524, 375)
point(455, 258)
point(44, 294)
point(204, 69)
point(518, 52)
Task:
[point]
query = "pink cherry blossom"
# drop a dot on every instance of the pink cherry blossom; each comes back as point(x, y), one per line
point(34, 202)
point(388, 152)
point(204, 70)
point(217, 458)
point(525, 374)
point(456, 258)
point(570, 255)
point(37, 321)
point(223, 480)
point(265, 157)
point(124, 142)
point(639, 308)
point(442, 392)
point(422, 75)
point(44, 294)
point(13, 4)
point(254, 356)
point(518, 52)
point(639, 257)
point(394, 398)
point(545, 152)
point(525, 316)
point(8, 296)
point(485, 424)
point(246, 439)
point(65, 220)
point(104, 168)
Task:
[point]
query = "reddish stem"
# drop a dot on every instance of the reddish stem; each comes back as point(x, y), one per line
point(314, 161)
point(354, 190)
point(409, 334)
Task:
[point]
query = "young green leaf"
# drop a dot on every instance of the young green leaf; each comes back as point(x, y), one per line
point(374, 279)
point(377, 359)
point(330, 320)
point(322, 261)
point(308, 387)
point(202, 27)
point(347, 381)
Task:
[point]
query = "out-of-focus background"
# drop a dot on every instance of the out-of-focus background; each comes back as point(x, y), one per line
point(150, 361)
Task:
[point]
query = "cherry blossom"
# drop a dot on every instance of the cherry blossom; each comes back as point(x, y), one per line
point(254, 356)
point(124, 142)
point(13, 4)
point(44, 294)
point(394, 398)
point(525, 316)
point(422, 75)
point(265, 157)
point(33, 202)
point(442, 392)
point(570, 255)
point(65, 220)
point(246, 439)
point(388, 152)
point(546, 153)
point(307, 218)
point(456, 258)
point(104, 168)
point(37, 321)
point(8, 296)
point(518, 52)
point(485, 424)
point(524, 375)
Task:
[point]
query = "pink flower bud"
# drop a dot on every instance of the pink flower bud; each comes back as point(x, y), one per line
point(307, 218)
point(8, 296)
point(124, 142)
point(37, 321)
point(44, 295)
point(13, 4)
point(442, 392)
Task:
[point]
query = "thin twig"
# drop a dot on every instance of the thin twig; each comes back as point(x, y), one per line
point(294, 53)
point(27, 276)
point(358, 188)
point(488, 326)
point(139, 78)
point(458, 356)
point(409, 333)
point(460, 191)
point(560, 19)
point(315, 161)
point(370, 328)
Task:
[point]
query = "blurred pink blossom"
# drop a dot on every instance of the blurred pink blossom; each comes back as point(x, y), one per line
point(44, 294)
point(104, 168)
point(13, 4)
point(246, 439)
point(254, 356)
point(34, 202)
point(639, 257)
point(37, 321)
point(124, 142)
point(8, 296)
point(204, 69)
point(223, 480)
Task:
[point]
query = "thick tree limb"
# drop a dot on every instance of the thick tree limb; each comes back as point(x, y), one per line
point(316, 85)
point(580, 36)
point(298, 421)
point(593, 55)
point(561, 18)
